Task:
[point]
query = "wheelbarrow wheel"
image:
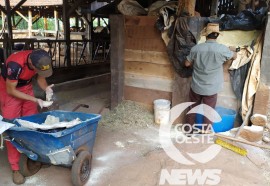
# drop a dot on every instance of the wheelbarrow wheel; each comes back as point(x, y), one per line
point(81, 168)
point(28, 167)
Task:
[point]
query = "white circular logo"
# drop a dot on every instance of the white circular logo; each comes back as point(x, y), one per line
point(169, 147)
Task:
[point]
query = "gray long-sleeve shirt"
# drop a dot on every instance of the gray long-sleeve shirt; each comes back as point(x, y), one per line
point(207, 59)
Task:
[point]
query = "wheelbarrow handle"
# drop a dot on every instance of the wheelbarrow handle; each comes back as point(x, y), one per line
point(28, 153)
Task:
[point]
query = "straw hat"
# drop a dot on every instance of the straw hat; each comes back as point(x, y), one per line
point(210, 28)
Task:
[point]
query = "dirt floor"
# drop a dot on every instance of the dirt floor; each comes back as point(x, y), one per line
point(130, 154)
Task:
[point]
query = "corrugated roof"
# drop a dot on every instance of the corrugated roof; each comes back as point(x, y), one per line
point(34, 2)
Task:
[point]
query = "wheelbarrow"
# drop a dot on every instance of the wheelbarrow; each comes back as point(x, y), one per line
point(68, 147)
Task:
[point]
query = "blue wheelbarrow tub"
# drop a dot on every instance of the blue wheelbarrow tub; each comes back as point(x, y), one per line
point(55, 145)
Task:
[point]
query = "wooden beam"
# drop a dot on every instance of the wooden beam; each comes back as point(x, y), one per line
point(56, 22)
point(186, 7)
point(253, 2)
point(265, 67)
point(9, 26)
point(86, 20)
point(17, 6)
point(153, 57)
point(214, 8)
point(117, 59)
point(45, 25)
point(30, 21)
point(151, 82)
point(3, 20)
point(77, 23)
point(149, 69)
point(20, 14)
point(36, 19)
point(74, 6)
point(66, 31)
point(83, 17)
point(145, 96)
point(6, 46)
point(3, 9)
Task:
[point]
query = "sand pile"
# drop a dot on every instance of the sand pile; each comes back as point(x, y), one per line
point(128, 114)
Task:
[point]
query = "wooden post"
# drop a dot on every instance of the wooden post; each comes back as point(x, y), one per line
point(5, 46)
point(45, 26)
point(30, 21)
point(262, 98)
point(265, 67)
point(67, 31)
point(214, 8)
point(56, 22)
point(3, 20)
point(186, 7)
point(117, 59)
point(89, 35)
point(13, 21)
point(45, 23)
point(77, 23)
point(9, 26)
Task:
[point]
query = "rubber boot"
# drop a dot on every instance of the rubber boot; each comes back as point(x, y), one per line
point(18, 178)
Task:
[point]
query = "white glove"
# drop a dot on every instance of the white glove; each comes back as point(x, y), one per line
point(42, 103)
point(49, 92)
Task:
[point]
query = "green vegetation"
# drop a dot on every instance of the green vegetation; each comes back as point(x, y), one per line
point(23, 25)
point(37, 25)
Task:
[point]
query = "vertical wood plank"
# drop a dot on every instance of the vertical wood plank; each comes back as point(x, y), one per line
point(186, 6)
point(3, 19)
point(67, 31)
point(56, 22)
point(30, 21)
point(9, 26)
point(117, 59)
point(214, 8)
point(265, 67)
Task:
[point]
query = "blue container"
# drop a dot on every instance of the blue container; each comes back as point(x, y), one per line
point(227, 122)
point(47, 146)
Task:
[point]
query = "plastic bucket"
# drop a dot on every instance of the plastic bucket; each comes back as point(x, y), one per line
point(162, 111)
point(227, 122)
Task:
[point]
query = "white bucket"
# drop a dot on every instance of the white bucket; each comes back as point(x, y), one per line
point(162, 111)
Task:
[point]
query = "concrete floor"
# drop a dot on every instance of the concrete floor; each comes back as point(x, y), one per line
point(133, 157)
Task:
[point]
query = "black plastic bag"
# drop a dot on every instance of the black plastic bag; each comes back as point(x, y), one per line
point(238, 78)
point(179, 47)
point(245, 20)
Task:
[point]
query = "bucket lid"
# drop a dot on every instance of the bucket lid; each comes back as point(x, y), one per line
point(162, 102)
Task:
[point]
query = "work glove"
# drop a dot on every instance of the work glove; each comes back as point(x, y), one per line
point(42, 103)
point(49, 92)
point(234, 49)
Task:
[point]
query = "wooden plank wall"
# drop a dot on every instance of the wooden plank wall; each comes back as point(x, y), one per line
point(148, 72)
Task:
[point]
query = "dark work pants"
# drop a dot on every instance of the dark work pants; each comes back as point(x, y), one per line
point(198, 99)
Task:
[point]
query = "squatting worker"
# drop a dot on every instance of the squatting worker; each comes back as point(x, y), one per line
point(16, 92)
point(207, 60)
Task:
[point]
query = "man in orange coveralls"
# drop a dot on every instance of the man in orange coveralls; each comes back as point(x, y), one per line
point(17, 96)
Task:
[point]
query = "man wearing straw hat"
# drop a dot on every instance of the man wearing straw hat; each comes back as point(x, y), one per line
point(207, 60)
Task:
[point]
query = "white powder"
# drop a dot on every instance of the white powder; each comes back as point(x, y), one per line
point(119, 144)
